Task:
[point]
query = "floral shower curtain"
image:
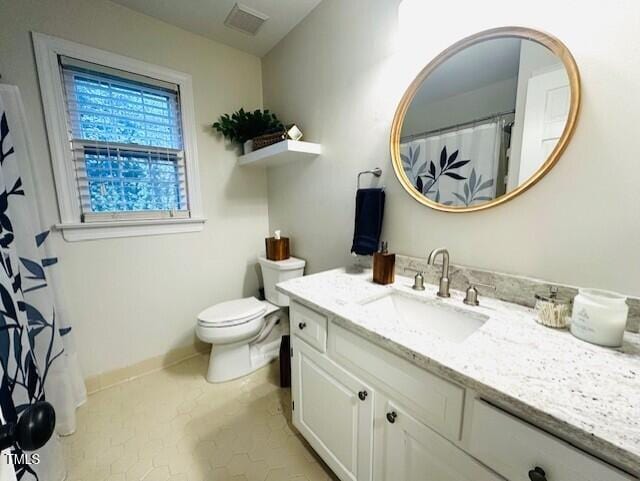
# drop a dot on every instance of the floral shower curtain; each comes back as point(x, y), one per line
point(37, 358)
point(457, 168)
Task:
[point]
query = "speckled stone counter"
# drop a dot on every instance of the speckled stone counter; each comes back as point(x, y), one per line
point(585, 394)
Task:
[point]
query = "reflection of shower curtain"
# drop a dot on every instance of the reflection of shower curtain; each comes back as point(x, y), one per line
point(454, 181)
point(37, 357)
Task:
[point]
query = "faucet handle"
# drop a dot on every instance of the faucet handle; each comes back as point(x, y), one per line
point(471, 298)
point(418, 280)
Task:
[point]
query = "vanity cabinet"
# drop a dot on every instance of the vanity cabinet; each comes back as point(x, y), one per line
point(406, 449)
point(435, 402)
point(517, 450)
point(334, 412)
point(373, 416)
point(310, 326)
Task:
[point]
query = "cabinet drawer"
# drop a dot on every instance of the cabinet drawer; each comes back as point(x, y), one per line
point(435, 402)
point(513, 447)
point(309, 325)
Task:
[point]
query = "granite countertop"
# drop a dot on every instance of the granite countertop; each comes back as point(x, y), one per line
point(585, 394)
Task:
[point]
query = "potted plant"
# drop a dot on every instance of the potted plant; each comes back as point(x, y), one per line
point(242, 127)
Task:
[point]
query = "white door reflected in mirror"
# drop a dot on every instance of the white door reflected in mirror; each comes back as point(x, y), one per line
point(547, 109)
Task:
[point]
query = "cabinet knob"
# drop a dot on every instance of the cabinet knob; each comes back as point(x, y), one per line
point(302, 325)
point(391, 417)
point(537, 474)
point(363, 395)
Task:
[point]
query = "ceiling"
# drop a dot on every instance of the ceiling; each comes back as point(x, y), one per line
point(206, 18)
point(480, 65)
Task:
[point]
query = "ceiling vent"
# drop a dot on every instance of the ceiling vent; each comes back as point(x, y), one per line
point(245, 19)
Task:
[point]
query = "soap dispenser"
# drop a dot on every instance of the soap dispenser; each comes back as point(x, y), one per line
point(384, 266)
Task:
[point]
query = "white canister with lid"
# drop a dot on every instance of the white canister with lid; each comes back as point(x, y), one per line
point(599, 317)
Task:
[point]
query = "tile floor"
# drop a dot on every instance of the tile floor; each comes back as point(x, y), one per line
point(173, 425)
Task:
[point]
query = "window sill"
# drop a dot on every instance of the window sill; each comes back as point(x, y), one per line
point(81, 231)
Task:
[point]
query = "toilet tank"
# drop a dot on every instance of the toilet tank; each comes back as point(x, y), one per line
point(279, 271)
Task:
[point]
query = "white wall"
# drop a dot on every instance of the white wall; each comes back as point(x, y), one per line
point(337, 74)
point(134, 298)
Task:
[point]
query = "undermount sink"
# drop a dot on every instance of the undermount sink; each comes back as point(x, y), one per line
point(447, 322)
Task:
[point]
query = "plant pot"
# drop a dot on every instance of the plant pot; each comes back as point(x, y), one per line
point(248, 146)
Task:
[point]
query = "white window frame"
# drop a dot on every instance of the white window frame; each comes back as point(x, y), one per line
point(47, 51)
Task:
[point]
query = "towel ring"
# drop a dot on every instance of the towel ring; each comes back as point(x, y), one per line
point(377, 172)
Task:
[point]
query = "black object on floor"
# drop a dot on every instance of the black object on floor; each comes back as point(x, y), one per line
point(368, 222)
point(33, 429)
point(285, 362)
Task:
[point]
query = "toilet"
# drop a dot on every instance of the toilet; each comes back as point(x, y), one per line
point(245, 333)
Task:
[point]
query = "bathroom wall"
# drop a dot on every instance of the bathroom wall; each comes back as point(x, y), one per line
point(131, 299)
point(340, 74)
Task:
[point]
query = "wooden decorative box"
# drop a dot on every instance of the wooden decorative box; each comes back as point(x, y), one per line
point(277, 249)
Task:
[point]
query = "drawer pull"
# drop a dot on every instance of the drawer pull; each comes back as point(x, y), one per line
point(363, 395)
point(391, 417)
point(537, 474)
point(302, 325)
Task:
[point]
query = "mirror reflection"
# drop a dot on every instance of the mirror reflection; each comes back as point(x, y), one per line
point(484, 121)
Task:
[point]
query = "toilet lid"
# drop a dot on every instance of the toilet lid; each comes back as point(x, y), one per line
point(232, 313)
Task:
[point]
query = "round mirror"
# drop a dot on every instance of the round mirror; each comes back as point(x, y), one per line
point(486, 119)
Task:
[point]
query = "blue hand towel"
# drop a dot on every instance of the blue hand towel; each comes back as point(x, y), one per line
point(368, 223)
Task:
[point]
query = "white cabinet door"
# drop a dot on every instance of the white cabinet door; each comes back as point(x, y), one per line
point(334, 412)
point(407, 450)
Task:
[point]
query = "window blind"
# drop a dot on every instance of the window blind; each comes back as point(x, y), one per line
point(126, 138)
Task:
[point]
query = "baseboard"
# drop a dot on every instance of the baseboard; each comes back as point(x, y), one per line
point(111, 378)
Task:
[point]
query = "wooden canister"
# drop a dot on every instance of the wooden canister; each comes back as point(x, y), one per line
point(384, 268)
point(277, 249)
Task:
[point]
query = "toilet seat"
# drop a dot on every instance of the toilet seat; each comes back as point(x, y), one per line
point(232, 313)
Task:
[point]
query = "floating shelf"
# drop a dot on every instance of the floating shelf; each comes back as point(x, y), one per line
point(280, 153)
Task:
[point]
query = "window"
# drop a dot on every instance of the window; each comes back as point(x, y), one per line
point(121, 136)
point(126, 141)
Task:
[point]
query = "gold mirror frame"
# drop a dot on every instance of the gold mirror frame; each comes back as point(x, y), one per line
point(549, 41)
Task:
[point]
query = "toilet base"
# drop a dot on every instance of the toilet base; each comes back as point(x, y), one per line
point(228, 362)
point(232, 361)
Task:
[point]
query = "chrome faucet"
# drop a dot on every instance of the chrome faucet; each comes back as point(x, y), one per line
point(443, 291)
